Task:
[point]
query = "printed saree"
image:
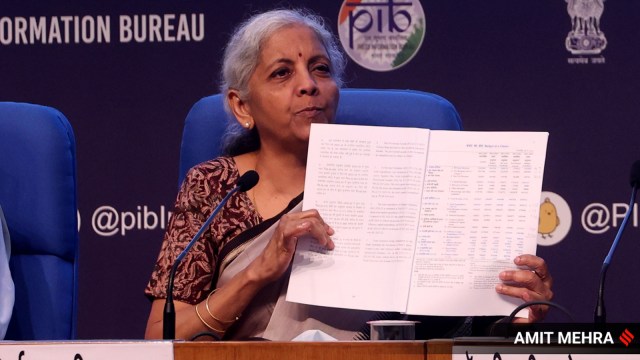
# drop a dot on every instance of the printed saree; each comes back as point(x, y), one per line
point(269, 316)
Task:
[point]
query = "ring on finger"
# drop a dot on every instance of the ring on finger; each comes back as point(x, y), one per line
point(538, 274)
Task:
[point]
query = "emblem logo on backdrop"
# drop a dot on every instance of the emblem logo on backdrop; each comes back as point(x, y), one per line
point(555, 219)
point(585, 38)
point(381, 35)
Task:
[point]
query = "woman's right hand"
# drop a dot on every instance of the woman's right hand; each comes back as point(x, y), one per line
point(277, 255)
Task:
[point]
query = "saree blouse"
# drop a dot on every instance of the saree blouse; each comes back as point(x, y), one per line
point(202, 190)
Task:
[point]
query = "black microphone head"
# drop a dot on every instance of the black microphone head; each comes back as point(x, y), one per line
point(248, 180)
point(634, 179)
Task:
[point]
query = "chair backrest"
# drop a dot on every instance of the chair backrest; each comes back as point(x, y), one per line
point(206, 121)
point(38, 196)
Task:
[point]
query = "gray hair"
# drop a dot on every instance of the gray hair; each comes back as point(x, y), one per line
point(241, 57)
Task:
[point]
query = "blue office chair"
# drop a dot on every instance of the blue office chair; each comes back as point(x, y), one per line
point(205, 123)
point(38, 196)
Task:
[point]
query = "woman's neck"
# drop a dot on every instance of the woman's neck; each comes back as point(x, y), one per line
point(281, 179)
point(284, 173)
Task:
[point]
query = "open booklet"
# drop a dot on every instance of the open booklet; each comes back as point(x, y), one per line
point(424, 219)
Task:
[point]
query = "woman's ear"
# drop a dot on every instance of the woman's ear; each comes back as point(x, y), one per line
point(240, 109)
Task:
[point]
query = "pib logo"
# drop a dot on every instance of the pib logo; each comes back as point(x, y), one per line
point(381, 35)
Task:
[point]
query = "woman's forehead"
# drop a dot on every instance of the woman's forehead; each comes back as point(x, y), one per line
point(291, 40)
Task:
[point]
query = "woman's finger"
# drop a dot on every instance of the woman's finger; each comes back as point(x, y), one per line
point(537, 265)
point(307, 223)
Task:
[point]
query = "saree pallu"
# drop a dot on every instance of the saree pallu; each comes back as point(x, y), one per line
point(269, 316)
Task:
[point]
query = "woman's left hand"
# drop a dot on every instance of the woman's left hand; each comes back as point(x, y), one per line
point(531, 282)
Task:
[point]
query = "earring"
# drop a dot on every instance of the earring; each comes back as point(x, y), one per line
point(246, 124)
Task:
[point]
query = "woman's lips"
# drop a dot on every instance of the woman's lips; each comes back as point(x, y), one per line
point(310, 111)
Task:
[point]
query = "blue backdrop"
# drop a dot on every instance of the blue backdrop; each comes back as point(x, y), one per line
point(504, 64)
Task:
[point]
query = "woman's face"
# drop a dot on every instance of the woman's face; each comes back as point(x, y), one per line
point(291, 87)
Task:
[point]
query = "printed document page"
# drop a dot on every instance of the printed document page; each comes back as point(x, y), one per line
point(366, 182)
point(424, 220)
point(480, 208)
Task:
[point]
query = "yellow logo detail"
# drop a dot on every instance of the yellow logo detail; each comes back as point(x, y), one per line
point(548, 220)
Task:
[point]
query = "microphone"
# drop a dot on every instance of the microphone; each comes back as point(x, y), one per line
point(245, 183)
point(600, 314)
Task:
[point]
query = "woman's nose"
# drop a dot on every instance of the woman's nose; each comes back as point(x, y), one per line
point(307, 85)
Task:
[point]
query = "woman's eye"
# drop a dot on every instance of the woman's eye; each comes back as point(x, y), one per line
point(280, 73)
point(323, 68)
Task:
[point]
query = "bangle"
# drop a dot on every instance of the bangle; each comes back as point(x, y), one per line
point(205, 323)
point(215, 318)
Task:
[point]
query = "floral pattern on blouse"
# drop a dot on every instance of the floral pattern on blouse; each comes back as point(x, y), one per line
point(202, 190)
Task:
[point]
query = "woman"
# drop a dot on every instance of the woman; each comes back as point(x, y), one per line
point(281, 72)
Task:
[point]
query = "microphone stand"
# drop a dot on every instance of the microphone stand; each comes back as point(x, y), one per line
point(247, 181)
point(600, 314)
point(169, 315)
